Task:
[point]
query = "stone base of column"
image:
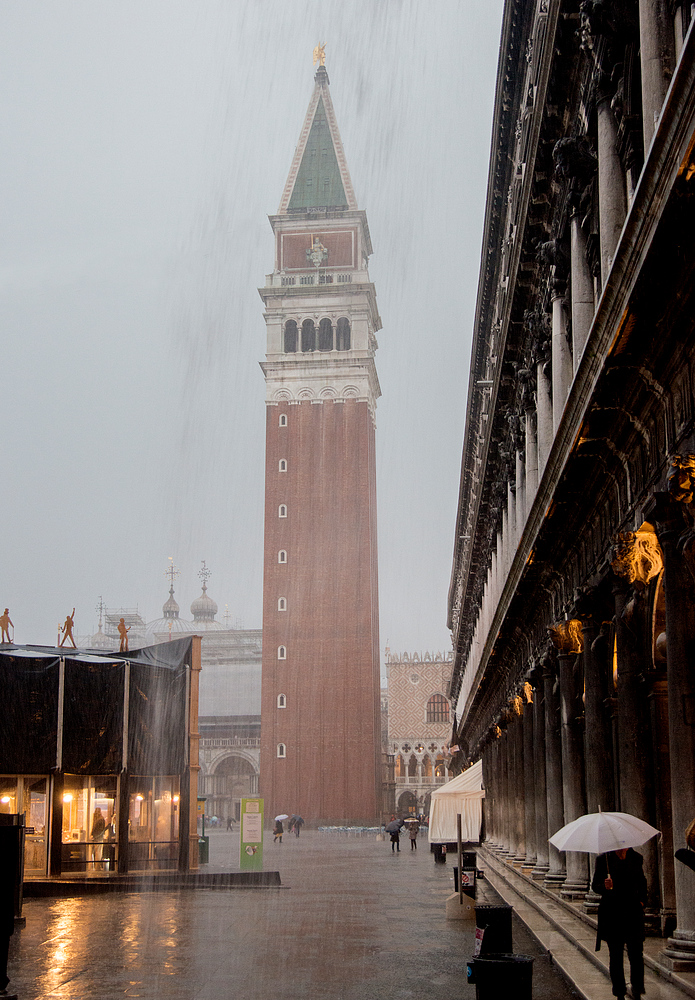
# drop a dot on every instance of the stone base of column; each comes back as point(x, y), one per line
point(591, 901)
point(528, 865)
point(554, 879)
point(539, 872)
point(679, 955)
point(575, 889)
point(518, 859)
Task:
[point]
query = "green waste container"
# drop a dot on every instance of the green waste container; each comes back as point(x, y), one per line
point(203, 850)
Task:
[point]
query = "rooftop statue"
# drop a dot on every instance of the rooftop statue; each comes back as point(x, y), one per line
point(6, 621)
point(67, 630)
point(123, 632)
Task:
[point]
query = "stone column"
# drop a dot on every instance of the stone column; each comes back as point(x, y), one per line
point(567, 638)
point(540, 794)
point(561, 356)
point(531, 449)
point(636, 560)
point(657, 56)
point(612, 199)
point(582, 289)
point(673, 519)
point(520, 476)
point(553, 768)
point(529, 779)
point(658, 703)
point(516, 786)
point(504, 819)
point(544, 416)
point(598, 737)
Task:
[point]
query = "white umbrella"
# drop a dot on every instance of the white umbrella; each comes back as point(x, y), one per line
point(599, 832)
point(281, 817)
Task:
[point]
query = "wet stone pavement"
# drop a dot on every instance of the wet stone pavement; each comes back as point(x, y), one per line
point(352, 921)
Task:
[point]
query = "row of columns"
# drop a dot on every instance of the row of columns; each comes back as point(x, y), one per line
point(604, 719)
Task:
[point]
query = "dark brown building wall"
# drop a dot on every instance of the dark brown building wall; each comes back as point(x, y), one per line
point(330, 678)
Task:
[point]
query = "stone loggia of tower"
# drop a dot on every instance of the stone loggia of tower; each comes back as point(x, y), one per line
point(320, 715)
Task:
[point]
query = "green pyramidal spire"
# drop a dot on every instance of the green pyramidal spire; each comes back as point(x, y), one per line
point(319, 177)
point(318, 184)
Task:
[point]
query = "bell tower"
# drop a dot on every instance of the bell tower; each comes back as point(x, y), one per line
point(320, 715)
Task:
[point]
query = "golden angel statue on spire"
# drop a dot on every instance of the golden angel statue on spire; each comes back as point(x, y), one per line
point(320, 54)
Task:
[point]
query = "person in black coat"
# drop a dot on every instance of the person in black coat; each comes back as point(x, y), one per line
point(619, 880)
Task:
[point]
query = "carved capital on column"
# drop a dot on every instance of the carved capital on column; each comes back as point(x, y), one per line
point(637, 556)
point(575, 159)
point(566, 637)
point(548, 661)
point(681, 480)
point(537, 323)
point(516, 705)
point(554, 253)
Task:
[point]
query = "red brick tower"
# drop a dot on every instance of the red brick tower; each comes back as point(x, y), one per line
point(320, 715)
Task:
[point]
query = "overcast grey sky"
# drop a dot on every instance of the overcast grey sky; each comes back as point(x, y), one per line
point(145, 142)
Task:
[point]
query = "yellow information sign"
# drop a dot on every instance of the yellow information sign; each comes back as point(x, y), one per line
point(251, 839)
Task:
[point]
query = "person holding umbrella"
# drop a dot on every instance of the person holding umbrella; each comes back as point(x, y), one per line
point(278, 829)
point(619, 881)
point(394, 828)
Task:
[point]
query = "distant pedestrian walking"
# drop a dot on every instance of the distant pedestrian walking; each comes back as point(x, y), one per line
point(413, 829)
point(298, 824)
point(278, 831)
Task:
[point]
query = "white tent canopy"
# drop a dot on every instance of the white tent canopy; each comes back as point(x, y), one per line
point(463, 794)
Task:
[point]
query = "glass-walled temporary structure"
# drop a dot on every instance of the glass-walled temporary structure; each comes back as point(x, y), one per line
point(100, 753)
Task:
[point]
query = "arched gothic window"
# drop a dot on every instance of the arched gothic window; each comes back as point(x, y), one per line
point(282, 604)
point(282, 465)
point(282, 652)
point(283, 420)
point(282, 556)
point(308, 335)
point(290, 336)
point(437, 709)
point(282, 701)
point(325, 335)
point(282, 510)
point(343, 334)
point(282, 750)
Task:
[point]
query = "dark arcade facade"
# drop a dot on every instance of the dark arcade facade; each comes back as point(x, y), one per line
point(572, 600)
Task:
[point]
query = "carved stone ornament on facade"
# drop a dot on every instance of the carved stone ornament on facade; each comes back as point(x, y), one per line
point(566, 636)
point(681, 482)
point(517, 704)
point(637, 556)
point(528, 693)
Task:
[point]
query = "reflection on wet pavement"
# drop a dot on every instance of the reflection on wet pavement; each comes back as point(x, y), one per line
point(351, 921)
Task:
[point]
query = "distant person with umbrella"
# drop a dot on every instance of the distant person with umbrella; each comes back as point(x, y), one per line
point(394, 828)
point(619, 881)
point(278, 829)
point(298, 824)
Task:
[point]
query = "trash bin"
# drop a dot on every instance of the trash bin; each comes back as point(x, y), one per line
point(468, 880)
point(439, 851)
point(498, 976)
point(496, 921)
point(203, 850)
